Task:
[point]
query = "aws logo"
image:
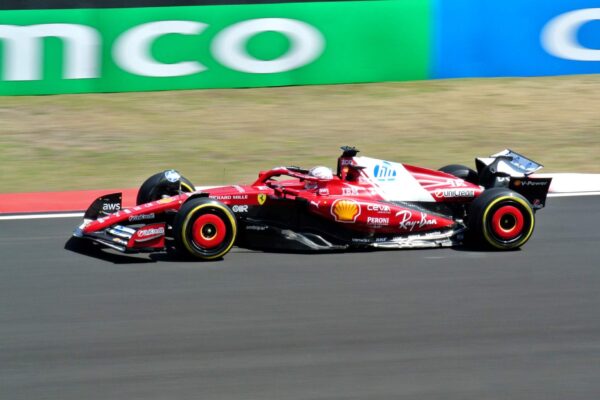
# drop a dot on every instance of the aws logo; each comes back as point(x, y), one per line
point(345, 210)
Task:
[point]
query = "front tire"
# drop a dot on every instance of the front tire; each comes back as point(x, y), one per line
point(501, 219)
point(204, 229)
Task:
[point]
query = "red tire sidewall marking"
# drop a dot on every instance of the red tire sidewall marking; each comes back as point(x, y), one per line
point(216, 239)
point(516, 230)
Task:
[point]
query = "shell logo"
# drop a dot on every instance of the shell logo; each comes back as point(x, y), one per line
point(345, 210)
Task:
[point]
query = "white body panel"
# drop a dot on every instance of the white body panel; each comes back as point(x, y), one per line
point(392, 180)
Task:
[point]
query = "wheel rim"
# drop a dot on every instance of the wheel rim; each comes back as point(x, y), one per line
point(209, 231)
point(508, 222)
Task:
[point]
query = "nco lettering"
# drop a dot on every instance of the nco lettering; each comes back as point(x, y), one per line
point(559, 36)
point(131, 51)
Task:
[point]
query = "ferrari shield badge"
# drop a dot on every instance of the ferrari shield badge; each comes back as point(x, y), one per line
point(262, 198)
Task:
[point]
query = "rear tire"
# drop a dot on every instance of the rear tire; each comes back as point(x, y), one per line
point(501, 219)
point(204, 229)
point(157, 186)
point(462, 172)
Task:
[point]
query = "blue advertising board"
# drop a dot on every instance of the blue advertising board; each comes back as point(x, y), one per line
point(487, 38)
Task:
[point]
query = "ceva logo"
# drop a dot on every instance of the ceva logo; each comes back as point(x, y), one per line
point(131, 50)
point(559, 36)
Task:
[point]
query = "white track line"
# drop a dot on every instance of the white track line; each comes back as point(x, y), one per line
point(40, 216)
point(574, 194)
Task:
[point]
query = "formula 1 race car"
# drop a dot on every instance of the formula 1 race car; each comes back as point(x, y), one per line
point(366, 203)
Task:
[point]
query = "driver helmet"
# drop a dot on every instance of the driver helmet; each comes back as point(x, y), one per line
point(321, 172)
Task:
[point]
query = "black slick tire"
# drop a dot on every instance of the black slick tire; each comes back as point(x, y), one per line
point(155, 188)
point(462, 172)
point(500, 219)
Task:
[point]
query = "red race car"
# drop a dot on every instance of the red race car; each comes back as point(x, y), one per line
point(366, 203)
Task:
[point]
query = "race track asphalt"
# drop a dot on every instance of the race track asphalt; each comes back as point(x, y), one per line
point(422, 324)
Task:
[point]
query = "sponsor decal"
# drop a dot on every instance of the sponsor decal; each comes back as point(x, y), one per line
point(323, 192)
point(141, 217)
point(256, 228)
point(111, 207)
point(345, 210)
point(360, 240)
point(379, 208)
point(350, 191)
point(239, 188)
point(240, 208)
point(346, 161)
point(531, 183)
point(450, 193)
point(262, 197)
point(407, 223)
point(172, 176)
point(378, 221)
point(230, 197)
point(385, 172)
point(149, 233)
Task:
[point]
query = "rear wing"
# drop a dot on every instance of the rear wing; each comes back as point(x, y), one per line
point(513, 170)
point(509, 162)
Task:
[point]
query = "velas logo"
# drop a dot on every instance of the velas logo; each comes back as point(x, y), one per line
point(345, 210)
point(22, 48)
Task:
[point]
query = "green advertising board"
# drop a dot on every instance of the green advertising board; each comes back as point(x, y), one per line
point(137, 49)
